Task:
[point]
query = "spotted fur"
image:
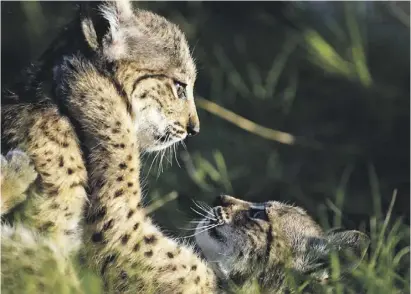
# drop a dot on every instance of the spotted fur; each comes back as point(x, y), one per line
point(129, 90)
point(134, 79)
point(116, 84)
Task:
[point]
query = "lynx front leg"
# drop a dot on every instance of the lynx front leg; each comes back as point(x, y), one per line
point(49, 140)
point(130, 252)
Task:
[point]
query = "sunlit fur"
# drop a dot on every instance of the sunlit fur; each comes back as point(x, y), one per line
point(104, 93)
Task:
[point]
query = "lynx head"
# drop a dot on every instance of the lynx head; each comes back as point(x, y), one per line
point(149, 58)
point(244, 240)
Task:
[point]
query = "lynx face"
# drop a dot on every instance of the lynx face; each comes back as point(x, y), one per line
point(148, 58)
point(163, 108)
point(243, 240)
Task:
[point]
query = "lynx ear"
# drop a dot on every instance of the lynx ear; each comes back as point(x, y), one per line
point(105, 26)
point(350, 246)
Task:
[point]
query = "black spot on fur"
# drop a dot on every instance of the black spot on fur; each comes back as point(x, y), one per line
point(150, 239)
point(125, 239)
point(122, 165)
point(269, 238)
point(120, 178)
point(61, 161)
point(109, 259)
point(69, 171)
point(136, 247)
point(130, 213)
point(97, 237)
point(53, 192)
point(129, 184)
point(108, 225)
point(148, 253)
point(46, 226)
point(118, 193)
point(170, 255)
point(69, 232)
point(136, 226)
point(54, 206)
point(123, 275)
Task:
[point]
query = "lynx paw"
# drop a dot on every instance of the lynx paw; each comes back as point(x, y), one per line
point(17, 174)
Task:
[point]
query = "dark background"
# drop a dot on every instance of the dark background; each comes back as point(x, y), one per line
point(334, 74)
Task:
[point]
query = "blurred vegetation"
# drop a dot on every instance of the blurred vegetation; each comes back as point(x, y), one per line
point(303, 102)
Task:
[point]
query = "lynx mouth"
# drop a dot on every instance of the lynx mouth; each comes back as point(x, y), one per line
point(162, 142)
point(214, 229)
point(216, 235)
point(163, 138)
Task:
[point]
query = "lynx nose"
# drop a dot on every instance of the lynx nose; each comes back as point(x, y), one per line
point(192, 130)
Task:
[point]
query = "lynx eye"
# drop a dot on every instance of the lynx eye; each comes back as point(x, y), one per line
point(181, 90)
point(258, 214)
